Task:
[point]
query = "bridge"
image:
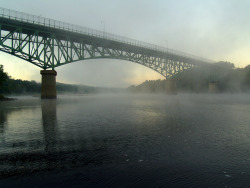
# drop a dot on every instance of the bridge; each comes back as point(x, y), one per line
point(48, 44)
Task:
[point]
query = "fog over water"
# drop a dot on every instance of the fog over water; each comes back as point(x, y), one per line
point(130, 140)
point(104, 137)
point(217, 30)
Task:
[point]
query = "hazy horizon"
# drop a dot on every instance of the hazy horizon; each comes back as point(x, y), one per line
point(216, 30)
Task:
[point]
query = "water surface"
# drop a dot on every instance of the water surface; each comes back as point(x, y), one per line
point(126, 141)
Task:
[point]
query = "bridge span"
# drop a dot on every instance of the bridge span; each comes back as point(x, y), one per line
point(48, 44)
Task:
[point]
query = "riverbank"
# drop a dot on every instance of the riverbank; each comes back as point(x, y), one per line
point(3, 98)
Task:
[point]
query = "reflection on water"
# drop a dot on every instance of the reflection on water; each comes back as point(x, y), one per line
point(133, 140)
point(2, 120)
point(49, 120)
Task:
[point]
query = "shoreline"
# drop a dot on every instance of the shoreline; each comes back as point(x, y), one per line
point(2, 98)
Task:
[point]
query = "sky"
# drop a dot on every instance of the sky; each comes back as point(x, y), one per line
point(214, 29)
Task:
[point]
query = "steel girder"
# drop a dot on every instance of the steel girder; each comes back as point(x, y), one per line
point(51, 49)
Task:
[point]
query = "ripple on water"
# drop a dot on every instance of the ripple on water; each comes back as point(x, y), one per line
point(181, 141)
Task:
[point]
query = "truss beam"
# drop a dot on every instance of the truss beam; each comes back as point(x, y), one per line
point(49, 50)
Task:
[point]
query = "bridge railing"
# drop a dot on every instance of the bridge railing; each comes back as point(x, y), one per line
point(29, 18)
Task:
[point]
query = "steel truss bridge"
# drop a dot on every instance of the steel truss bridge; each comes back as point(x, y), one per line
point(48, 43)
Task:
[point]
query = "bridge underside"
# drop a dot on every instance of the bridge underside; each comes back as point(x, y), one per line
point(49, 48)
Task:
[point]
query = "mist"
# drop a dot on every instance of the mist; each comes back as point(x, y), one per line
point(115, 123)
point(216, 30)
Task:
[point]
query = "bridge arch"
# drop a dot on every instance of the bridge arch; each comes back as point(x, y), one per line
point(48, 44)
point(48, 51)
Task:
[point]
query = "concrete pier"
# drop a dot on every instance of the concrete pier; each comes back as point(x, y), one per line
point(48, 89)
point(171, 87)
point(213, 87)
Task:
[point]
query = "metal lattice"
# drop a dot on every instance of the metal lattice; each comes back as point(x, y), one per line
point(48, 44)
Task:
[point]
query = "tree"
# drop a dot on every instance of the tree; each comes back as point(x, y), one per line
point(3, 75)
point(225, 65)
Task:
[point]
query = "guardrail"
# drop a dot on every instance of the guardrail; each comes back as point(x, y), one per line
point(29, 18)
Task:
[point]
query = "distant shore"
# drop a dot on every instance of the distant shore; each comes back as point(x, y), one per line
point(2, 98)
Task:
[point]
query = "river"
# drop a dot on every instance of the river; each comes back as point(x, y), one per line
point(126, 140)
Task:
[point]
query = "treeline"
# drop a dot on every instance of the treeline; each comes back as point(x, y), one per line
point(12, 86)
point(149, 86)
point(9, 86)
point(22, 87)
point(224, 74)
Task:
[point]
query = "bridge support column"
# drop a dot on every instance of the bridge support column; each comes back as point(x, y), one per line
point(213, 87)
point(171, 87)
point(48, 89)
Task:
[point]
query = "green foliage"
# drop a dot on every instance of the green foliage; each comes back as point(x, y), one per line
point(225, 65)
point(12, 86)
point(193, 80)
point(3, 76)
point(197, 80)
point(75, 89)
point(19, 87)
point(246, 81)
point(149, 86)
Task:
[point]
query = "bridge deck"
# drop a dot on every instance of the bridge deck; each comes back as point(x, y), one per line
point(47, 26)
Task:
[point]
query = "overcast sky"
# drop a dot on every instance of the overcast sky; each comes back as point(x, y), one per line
point(214, 29)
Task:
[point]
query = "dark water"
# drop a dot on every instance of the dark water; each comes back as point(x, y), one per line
point(126, 141)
